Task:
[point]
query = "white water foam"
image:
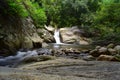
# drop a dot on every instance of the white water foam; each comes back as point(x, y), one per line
point(57, 36)
point(17, 58)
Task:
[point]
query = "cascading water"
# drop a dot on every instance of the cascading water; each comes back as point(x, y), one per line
point(11, 61)
point(57, 36)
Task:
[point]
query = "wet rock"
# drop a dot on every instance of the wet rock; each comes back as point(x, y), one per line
point(37, 41)
point(94, 53)
point(85, 51)
point(89, 58)
point(117, 57)
point(110, 45)
point(98, 47)
point(29, 59)
point(73, 35)
point(103, 50)
point(49, 28)
point(59, 52)
point(44, 51)
point(44, 45)
point(4, 52)
point(27, 43)
point(117, 48)
point(71, 50)
point(68, 36)
point(106, 58)
point(112, 51)
point(71, 41)
point(37, 44)
point(66, 52)
point(83, 42)
point(46, 35)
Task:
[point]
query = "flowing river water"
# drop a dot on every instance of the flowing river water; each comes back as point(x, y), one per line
point(21, 55)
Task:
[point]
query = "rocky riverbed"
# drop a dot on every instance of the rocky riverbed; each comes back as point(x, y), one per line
point(65, 64)
point(63, 69)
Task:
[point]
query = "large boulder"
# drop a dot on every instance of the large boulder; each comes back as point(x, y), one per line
point(103, 50)
point(31, 34)
point(111, 45)
point(99, 51)
point(17, 35)
point(106, 58)
point(117, 48)
point(94, 53)
point(68, 36)
point(72, 35)
point(112, 51)
point(46, 35)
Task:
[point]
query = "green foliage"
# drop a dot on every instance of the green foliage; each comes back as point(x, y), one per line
point(93, 5)
point(16, 8)
point(67, 12)
point(23, 9)
point(73, 12)
point(52, 9)
point(107, 20)
point(108, 15)
point(36, 12)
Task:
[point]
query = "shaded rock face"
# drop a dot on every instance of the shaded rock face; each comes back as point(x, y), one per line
point(21, 34)
point(31, 33)
point(46, 35)
point(72, 35)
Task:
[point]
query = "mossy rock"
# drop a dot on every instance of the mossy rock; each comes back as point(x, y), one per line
point(117, 57)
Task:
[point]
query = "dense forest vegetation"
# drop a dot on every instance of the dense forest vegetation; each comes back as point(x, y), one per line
point(96, 16)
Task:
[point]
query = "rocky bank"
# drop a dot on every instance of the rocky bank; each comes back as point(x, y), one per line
point(63, 69)
point(20, 33)
point(66, 64)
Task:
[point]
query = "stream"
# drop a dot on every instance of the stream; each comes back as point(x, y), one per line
point(57, 48)
point(70, 63)
point(53, 48)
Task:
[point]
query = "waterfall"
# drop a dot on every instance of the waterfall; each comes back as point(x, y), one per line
point(57, 36)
